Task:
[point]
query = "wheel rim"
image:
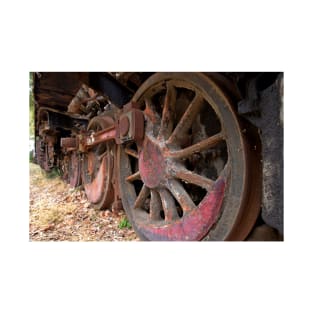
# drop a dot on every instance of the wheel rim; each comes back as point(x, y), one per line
point(97, 167)
point(74, 170)
point(189, 179)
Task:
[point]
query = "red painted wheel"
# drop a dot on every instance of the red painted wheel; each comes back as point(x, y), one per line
point(97, 167)
point(191, 178)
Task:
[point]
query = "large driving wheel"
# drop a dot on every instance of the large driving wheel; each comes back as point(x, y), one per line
point(191, 178)
point(97, 167)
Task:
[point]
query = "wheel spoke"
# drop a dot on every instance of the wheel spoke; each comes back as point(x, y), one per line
point(187, 119)
point(155, 206)
point(150, 112)
point(193, 178)
point(168, 205)
point(143, 195)
point(181, 195)
point(131, 152)
point(202, 145)
point(153, 118)
point(135, 176)
point(167, 121)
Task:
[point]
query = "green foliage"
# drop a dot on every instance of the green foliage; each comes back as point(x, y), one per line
point(31, 156)
point(55, 172)
point(124, 223)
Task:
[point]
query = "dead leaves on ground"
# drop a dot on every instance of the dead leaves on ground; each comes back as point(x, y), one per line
point(60, 213)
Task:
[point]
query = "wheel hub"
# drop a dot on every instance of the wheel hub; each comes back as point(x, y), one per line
point(152, 166)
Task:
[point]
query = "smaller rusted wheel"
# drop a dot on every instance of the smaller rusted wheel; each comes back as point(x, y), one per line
point(97, 167)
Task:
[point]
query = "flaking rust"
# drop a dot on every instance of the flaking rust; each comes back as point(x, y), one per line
point(194, 225)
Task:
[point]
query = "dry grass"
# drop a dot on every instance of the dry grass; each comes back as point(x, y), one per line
point(60, 213)
point(48, 209)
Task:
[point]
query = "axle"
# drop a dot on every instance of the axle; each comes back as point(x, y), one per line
point(129, 126)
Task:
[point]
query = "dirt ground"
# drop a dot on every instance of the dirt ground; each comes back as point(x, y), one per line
point(58, 212)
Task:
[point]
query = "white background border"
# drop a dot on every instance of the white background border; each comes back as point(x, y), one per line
point(156, 36)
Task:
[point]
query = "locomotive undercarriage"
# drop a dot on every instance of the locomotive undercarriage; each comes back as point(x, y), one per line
point(182, 153)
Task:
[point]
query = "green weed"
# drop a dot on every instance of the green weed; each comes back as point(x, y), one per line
point(124, 223)
point(55, 172)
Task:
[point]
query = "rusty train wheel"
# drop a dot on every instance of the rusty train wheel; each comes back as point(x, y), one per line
point(97, 167)
point(191, 178)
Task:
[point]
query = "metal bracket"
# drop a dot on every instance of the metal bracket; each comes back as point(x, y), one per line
point(129, 127)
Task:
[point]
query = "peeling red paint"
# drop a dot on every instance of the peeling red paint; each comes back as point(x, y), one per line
point(151, 164)
point(194, 225)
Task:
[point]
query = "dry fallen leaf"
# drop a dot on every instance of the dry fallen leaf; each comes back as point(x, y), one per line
point(60, 213)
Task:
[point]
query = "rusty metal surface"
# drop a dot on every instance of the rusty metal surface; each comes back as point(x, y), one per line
point(193, 226)
point(152, 166)
point(124, 126)
point(97, 164)
point(130, 124)
point(102, 136)
point(129, 127)
point(45, 152)
point(70, 143)
point(74, 171)
point(56, 90)
point(51, 119)
point(189, 178)
point(97, 179)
